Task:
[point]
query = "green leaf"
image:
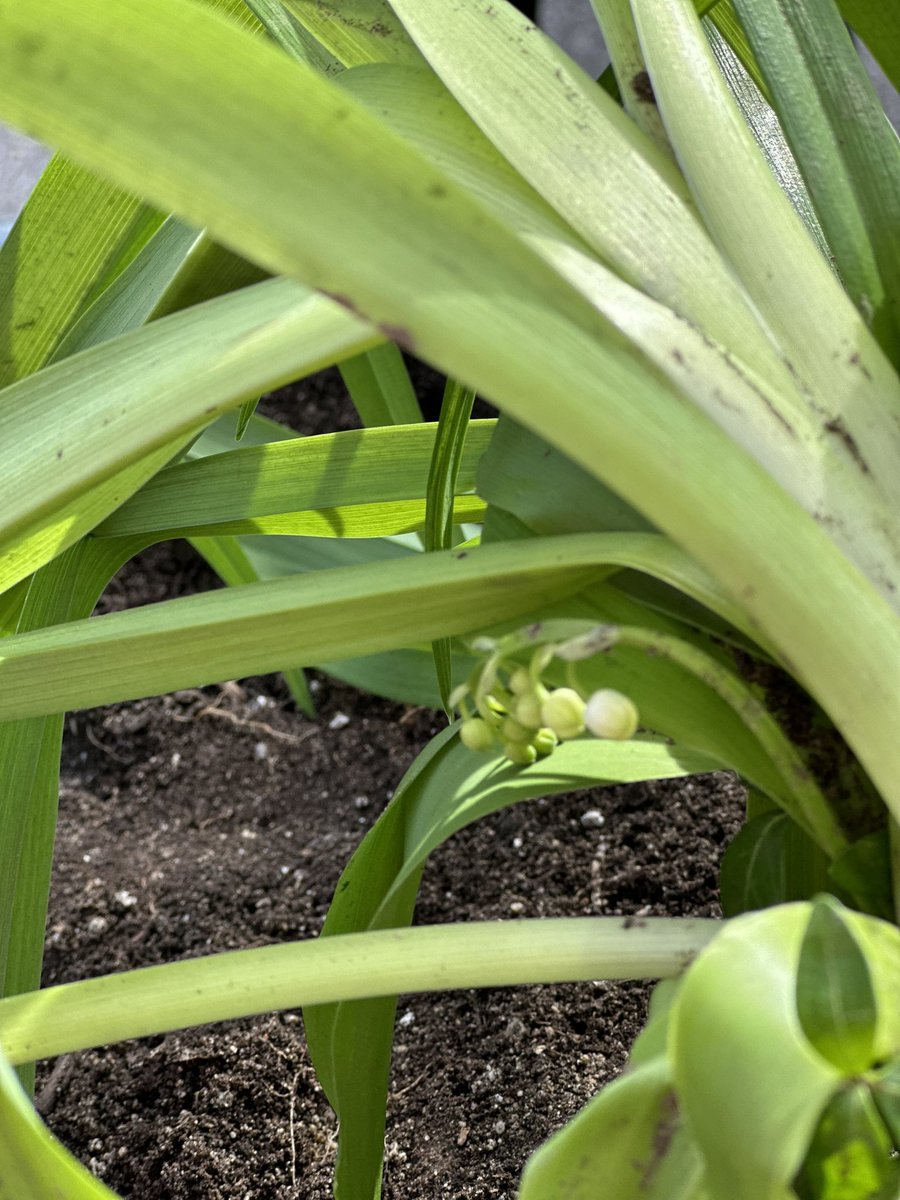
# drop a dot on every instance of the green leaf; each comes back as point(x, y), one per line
point(220, 987)
point(45, 289)
point(756, 414)
point(864, 872)
point(446, 788)
point(443, 483)
point(285, 622)
point(58, 478)
point(582, 153)
point(762, 120)
point(176, 269)
point(879, 942)
point(131, 298)
point(247, 410)
point(380, 388)
point(42, 291)
point(11, 602)
point(850, 1157)
point(230, 562)
point(835, 1000)
point(627, 61)
point(771, 861)
point(723, 21)
point(886, 1094)
point(292, 37)
point(329, 471)
point(792, 286)
point(627, 1144)
point(29, 751)
point(738, 999)
point(33, 1163)
point(356, 31)
point(549, 493)
point(847, 151)
point(403, 675)
point(381, 209)
point(877, 26)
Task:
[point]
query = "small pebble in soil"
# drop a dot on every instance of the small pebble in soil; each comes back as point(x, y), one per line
point(593, 818)
point(339, 721)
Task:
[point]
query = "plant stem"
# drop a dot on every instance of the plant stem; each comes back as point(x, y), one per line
point(354, 966)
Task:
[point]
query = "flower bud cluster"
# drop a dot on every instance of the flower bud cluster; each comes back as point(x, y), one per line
point(516, 711)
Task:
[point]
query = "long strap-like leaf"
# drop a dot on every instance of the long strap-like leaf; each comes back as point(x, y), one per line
point(481, 309)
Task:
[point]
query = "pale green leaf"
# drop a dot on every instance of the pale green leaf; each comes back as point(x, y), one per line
point(53, 488)
point(380, 388)
point(577, 148)
point(835, 999)
point(42, 291)
point(484, 310)
point(627, 1144)
point(786, 439)
point(74, 237)
point(354, 467)
point(355, 31)
point(738, 999)
point(627, 61)
point(220, 987)
point(33, 1164)
point(285, 622)
point(293, 37)
point(855, 392)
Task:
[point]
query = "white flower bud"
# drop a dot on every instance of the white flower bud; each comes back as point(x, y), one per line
point(520, 681)
point(609, 714)
point(527, 710)
point(563, 712)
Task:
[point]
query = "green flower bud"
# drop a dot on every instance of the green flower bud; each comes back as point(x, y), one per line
point(544, 741)
point(609, 714)
point(512, 731)
point(563, 712)
point(520, 681)
point(527, 709)
point(520, 752)
point(476, 734)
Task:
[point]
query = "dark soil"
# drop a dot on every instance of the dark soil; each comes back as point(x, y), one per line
point(222, 818)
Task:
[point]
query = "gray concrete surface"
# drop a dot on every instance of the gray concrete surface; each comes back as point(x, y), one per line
point(572, 25)
point(21, 162)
